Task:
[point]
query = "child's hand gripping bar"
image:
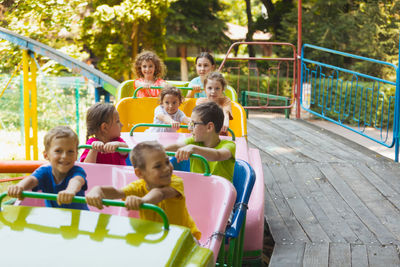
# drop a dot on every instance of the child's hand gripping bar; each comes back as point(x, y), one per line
point(168, 126)
point(127, 150)
point(82, 200)
point(157, 87)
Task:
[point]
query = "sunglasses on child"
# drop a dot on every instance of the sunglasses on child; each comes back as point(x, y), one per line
point(193, 124)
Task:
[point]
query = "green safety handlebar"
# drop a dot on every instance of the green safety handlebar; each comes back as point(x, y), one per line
point(169, 126)
point(207, 171)
point(157, 87)
point(82, 200)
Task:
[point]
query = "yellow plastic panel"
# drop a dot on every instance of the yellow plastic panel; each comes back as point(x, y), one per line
point(62, 237)
point(132, 111)
point(125, 89)
point(231, 93)
point(141, 110)
point(238, 124)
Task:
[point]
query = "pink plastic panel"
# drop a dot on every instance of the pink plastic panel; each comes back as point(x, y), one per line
point(209, 199)
point(255, 214)
point(254, 233)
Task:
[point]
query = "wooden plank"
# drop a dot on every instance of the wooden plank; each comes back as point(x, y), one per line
point(367, 217)
point(386, 256)
point(287, 255)
point(349, 216)
point(293, 226)
point(316, 255)
point(389, 172)
point(339, 255)
point(305, 148)
point(298, 206)
point(276, 224)
point(389, 217)
point(331, 142)
point(331, 221)
point(265, 157)
point(359, 257)
point(272, 146)
point(380, 184)
point(269, 146)
point(319, 137)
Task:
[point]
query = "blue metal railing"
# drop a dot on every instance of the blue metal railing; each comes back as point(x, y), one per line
point(351, 99)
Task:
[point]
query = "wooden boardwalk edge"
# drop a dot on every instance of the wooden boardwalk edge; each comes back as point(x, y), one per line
point(328, 201)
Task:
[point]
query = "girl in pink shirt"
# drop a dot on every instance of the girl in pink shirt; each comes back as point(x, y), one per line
point(103, 133)
point(149, 70)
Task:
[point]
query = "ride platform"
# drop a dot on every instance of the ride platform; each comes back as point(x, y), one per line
point(328, 201)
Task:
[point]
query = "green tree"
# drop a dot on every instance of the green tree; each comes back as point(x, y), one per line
point(195, 22)
point(54, 23)
point(365, 28)
point(276, 11)
point(115, 31)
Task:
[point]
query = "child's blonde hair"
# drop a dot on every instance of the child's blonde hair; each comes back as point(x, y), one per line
point(171, 90)
point(96, 115)
point(216, 76)
point(159, 67)
point(137, 154)
point(59, 132)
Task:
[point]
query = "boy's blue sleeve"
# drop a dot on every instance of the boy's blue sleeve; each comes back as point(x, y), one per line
point(42, 174)
point(79, 171)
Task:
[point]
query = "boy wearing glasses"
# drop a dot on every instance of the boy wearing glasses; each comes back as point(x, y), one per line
point(206, 122)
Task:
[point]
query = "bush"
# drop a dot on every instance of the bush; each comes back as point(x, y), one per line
point(55, 103)
point(366, 103)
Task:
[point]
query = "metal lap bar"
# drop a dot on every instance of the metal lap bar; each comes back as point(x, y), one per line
point(207, 171)
point(156, 87)
point(168, 126)
point(351, 99)
point(79, 199)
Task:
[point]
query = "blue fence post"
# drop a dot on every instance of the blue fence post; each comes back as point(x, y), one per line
point(397, 111)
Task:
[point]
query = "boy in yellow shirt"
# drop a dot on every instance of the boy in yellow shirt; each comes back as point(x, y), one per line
point(157, 185)
point(206, 122)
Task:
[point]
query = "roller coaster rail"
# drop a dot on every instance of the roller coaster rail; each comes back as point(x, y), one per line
point(99, 78)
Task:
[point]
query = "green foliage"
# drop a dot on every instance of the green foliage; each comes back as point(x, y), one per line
point(365, 28)
point(54, 23)
point(113, 31)
point(233, 11)
point(174, 68)
point(356, 104)
point(195, 23)
point(56, 103)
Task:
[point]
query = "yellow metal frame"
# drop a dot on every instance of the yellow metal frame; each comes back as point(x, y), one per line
point(30, 106)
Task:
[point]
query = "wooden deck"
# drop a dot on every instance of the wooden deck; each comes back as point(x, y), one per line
point(328, 201)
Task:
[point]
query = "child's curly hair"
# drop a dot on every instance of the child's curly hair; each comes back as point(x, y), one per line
point(159, 70)
point(171, 90)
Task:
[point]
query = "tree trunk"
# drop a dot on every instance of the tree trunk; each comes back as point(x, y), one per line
point(269, 6)
point(250, 29)
point(184, 65)
point(134, 38)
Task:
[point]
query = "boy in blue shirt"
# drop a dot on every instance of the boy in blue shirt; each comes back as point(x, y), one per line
point(206, 122)
point(61, 176)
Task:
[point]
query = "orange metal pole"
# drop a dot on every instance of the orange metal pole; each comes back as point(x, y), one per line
point(20, 166)
point(298, 90)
